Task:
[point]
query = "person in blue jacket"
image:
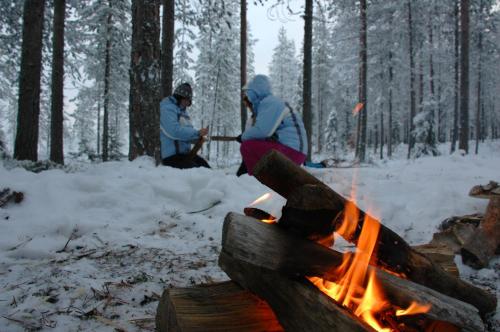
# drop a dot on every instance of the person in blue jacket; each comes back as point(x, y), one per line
point(277, 126)
point(176, 131)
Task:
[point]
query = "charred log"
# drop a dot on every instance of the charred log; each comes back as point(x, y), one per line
point(258, 214)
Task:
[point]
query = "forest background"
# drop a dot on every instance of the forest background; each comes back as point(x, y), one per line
point(425, 71)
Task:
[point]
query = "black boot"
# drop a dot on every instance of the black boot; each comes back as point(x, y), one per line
point(242, 169)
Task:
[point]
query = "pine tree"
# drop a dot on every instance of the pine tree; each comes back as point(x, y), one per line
point(307, 74)
point(217, 97)
point(184, 37)
point(362, 117)
point(464, 76)
point(332, 145)
point(26, 145)
point(167, 47)
point(322, 96)
point(145, 80)
point(283, 69)
point(106, 26)
point(56, 128)
point(10, 62)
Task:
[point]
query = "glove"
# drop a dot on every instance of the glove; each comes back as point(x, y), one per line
point(238, 138)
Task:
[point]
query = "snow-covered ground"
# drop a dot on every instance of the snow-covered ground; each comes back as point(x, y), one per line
point(131, 233)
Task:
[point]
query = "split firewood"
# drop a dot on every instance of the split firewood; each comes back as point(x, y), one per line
point(328, 210)
point(453, 233)
point(490, 190)
point(218, 307)
point(277, 251)
point(441, 254)
point(485, 242)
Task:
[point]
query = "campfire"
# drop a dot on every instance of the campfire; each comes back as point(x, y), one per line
point(385, 285)
point(356, 287)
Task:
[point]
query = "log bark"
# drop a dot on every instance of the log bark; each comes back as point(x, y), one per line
point(219, 307)
point(485, 242)
point(298, 305)
point(270, 249)
point(393, 253)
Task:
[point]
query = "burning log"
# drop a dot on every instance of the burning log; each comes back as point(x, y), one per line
point(219, 307)
point(253, 251)
point(311, 201)
point(258, 214)
point(298, 305)
point(485, 241)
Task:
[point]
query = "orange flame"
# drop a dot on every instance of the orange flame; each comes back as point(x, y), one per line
point(357, 287)
point(357, 108)
point(269, 221)
point(414, 309)
point(261, 199)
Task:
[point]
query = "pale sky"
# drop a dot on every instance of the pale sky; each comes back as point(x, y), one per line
point(265, 29)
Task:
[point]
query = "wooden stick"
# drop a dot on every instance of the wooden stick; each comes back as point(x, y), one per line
point(223, 138)
point(393, 253)
point(197, 147)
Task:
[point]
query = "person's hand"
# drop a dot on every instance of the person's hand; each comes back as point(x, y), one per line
point(203, 132)
point(238, 138)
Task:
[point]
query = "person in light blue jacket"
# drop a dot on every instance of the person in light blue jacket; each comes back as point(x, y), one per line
point(176, 131)
point(277, 126)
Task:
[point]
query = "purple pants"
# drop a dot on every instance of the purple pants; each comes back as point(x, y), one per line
point(253, 150)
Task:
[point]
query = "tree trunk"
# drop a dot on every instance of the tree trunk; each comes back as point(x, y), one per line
point(362, 80)
point(98, 125)
point(57, 100)
point(26, 144)
point(307, 75)
point(145, 80)
point(411, 127)
point(389, 142)
point(441, 116)
point(479, 77)
point(287, 179)
point(464, 76)
point(381, 134)
point(167, 47)
point(107, 71)
point(454, 137)
point(420, 79)
point(430, 139)
point(243, 59)
point(319, 104)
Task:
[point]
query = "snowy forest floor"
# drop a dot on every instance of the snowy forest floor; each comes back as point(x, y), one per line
point(131, 234)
